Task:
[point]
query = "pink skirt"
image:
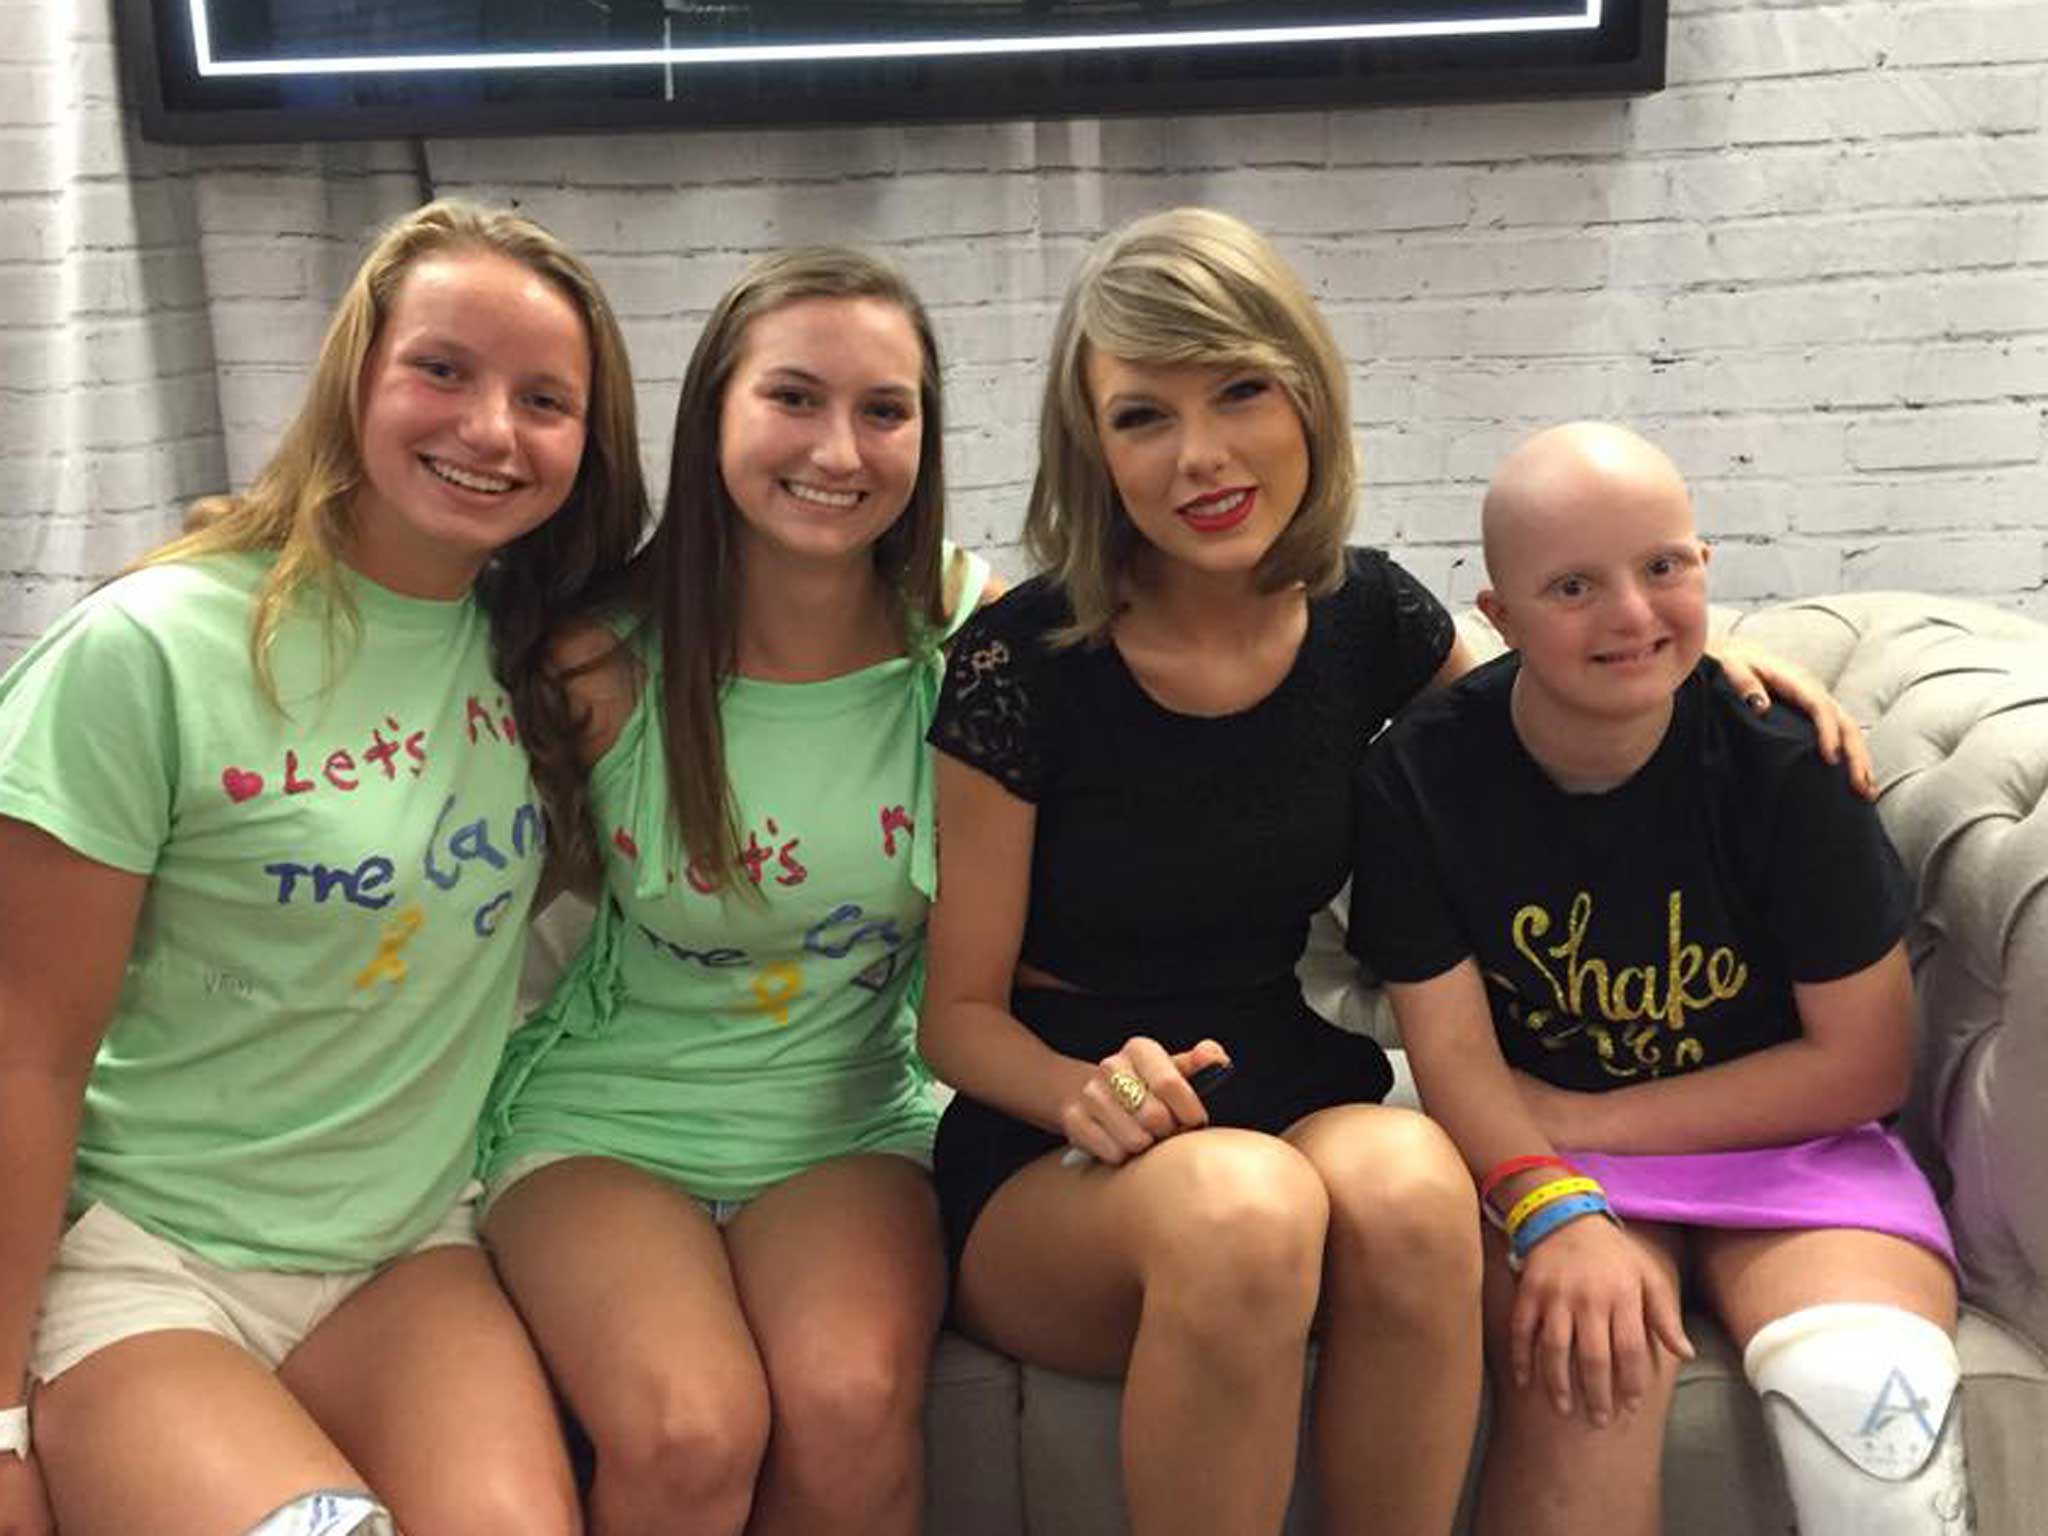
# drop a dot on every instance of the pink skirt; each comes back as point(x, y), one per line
point(1863, 1178)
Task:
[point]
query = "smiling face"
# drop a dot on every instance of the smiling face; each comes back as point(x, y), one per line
point(471, 420)
point(1599, 578)
point(820, 428)
point(1210, 463)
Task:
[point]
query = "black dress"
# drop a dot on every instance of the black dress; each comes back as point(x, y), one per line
point(1178, 858)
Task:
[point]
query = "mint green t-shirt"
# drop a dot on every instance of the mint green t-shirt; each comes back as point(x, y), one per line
point(323, 970)
point(727, 1044)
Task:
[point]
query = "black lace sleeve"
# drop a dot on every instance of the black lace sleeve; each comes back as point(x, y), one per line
point(989, 713)
point(1411, 632)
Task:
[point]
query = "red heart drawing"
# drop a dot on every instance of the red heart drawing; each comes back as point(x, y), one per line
point(623, 841)
point(240, 784)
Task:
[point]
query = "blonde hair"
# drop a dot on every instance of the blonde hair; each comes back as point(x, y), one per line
point(1190, 286)
point(299, 504)
point(687, 580)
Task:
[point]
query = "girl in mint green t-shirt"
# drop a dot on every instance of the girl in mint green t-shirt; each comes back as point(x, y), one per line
point(706, 1156)
point(268, 841)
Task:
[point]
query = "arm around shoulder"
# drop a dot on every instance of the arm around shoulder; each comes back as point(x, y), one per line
point(602, 679)
point(1760, 675)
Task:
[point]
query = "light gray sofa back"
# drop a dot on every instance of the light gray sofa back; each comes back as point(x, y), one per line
point(1954, 697)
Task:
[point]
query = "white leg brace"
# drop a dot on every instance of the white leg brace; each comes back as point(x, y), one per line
point(1862, 1402)
point(329, 1514)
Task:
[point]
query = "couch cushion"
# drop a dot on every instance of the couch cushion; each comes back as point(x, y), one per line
point(1720, 1468)
point(973, 1480)
point(1072, 1459)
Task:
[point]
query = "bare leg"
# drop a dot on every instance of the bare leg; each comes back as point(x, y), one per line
point(427, 1380)
point(1398, 1380)
point(624, 1281)
point(841, 1274)
point(177, 1433)
point(1848, 1334)
point(1751, 1277)
point(1194, 1270)
point(1549, 1475)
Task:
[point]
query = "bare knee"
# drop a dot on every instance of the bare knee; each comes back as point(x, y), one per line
point(1236, 1225)
point(848, 1418)
point(685, 1444)
point(1404, 1218)
point(507, 1504)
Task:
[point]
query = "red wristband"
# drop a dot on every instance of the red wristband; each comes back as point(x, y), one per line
point(1501, 1172)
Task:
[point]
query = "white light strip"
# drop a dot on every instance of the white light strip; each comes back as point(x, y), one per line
point(423, 63)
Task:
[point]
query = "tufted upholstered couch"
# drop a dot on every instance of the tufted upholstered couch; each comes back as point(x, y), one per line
point(1954, 696)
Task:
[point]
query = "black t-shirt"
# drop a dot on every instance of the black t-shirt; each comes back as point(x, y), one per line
point(1180, 853)
point(1651, 929)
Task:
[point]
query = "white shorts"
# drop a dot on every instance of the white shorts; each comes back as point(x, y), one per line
point(111, 1280)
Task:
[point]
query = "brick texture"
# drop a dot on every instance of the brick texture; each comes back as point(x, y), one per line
point(1815, 267)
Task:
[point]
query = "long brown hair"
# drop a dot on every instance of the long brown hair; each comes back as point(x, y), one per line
point(686, 582)
point(301, 501)
point(1187, 286)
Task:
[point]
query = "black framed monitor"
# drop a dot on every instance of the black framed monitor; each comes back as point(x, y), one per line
point(306, 69)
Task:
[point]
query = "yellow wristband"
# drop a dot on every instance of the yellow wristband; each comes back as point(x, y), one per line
point(1544, 1194)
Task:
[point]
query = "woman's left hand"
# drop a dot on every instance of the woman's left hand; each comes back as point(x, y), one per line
point(1760, 675)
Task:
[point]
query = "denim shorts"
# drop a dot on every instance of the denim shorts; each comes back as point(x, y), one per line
point(721, 1212)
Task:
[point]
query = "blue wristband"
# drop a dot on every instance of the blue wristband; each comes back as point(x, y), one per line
point(1549, 1218)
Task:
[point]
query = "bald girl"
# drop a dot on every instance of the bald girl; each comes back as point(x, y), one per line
point(1592, 863)
point(1599, 580)
point(1584, 468)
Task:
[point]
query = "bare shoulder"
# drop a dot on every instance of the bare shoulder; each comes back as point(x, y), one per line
point(602, 678)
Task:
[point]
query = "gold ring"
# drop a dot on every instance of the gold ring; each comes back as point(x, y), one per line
point(1129, 1089)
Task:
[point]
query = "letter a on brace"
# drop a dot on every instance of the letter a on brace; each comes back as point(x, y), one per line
point(1859, 1398)
point(328, 1514)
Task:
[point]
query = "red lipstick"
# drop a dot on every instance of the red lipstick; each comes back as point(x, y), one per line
point(1220, 511)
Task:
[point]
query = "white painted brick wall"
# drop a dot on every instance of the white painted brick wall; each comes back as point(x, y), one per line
point(1815, 267)
point(107, 415)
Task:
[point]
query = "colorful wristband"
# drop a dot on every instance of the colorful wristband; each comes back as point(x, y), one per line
point(1559, 1213)
point(1501, 1172)
point(1545, 1194)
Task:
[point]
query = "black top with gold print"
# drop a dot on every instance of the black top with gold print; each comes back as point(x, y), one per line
point(1651, 929)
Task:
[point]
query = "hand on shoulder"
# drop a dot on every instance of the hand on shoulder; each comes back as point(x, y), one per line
point(602, 677)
